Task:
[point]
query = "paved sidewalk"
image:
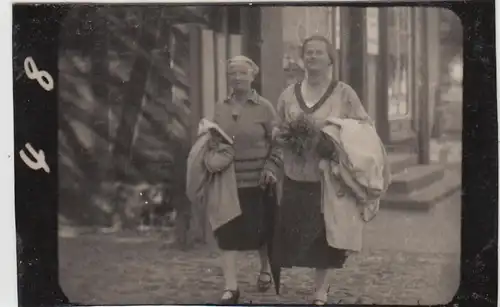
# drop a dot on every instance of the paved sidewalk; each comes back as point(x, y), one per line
point(100, 270)
point(408, 258)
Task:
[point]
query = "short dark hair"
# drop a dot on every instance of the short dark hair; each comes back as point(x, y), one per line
point(329, 46)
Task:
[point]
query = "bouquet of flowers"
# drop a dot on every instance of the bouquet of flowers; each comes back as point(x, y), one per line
point(298, 135)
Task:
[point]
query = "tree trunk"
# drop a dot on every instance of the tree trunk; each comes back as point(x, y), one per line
point(180, 200)
point(135, 92)
point(100, 74)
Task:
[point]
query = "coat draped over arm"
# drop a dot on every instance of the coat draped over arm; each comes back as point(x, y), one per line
point(354, 185)
point(211, 179)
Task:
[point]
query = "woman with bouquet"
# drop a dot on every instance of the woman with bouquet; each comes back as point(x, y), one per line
point(248, 119)
point(303, 109)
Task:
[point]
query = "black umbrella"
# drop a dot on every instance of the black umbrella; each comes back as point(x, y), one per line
point(272, 204)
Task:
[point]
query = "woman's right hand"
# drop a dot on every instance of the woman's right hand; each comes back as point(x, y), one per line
point(325, 147)
point(215, 140)
point(220, 154)
point(276, 135)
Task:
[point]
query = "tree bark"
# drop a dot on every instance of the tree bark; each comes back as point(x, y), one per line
point(99, 73)
point(135, 91)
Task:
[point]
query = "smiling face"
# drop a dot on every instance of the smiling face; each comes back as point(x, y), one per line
point(240, 77)
point(316, 56)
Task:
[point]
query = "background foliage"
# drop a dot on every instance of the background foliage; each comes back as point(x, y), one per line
point(123, 104)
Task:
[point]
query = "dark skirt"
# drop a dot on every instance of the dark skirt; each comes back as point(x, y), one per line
point(300, 236)
point(251, 229)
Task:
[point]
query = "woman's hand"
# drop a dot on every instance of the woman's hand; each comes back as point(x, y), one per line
point(325, 147)
point(267, 178)
point(277, 136)
point(215, 140)
point(219, 157)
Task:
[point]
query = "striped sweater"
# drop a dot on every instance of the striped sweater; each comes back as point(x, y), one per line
point(250, 125)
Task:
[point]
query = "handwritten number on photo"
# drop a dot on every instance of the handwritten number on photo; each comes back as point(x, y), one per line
point(44, 78)
point(38, 163)
point(47, 83)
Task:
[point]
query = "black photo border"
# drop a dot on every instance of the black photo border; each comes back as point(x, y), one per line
point(35, 34)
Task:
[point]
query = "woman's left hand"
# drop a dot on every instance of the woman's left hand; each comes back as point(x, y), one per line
point(215, 140)
point(325, 147)
point(267, 177)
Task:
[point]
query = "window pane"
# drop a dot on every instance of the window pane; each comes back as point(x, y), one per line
point(399, 69)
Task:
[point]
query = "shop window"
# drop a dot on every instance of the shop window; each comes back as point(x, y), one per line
point(400, 62)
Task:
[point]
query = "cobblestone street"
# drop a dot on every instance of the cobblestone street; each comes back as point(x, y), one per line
point(104, 269)
point(98, 272)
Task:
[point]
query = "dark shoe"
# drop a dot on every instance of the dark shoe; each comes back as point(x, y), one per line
point(264, 285)
point(233, 299)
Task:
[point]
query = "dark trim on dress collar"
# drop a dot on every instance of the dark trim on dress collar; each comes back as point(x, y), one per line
point(321, 101)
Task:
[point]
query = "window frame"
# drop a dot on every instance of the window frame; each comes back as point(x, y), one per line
point(403, 43)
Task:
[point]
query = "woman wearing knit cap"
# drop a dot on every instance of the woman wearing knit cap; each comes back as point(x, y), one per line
point(248, 118)
point(301, 236)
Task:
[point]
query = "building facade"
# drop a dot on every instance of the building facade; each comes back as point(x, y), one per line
point(390, 56)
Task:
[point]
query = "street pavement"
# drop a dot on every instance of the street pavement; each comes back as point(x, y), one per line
point(408, 258)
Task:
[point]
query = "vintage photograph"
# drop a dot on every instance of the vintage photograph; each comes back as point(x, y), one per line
point(236, 154)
